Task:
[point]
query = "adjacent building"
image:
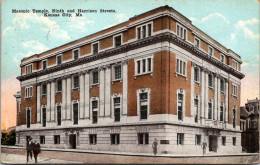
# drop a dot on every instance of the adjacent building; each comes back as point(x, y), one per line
point(153, 76)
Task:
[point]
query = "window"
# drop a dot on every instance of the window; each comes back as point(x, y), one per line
point(197, 42)
point(210, 81)
point(75, 82)
point(223, 140)
point(75, 113)
point(28, 92)
point(234, 117)
point(234, 141)
point(235, 64)
point(117, 40)
point(234, 90)
point(19, 108)
point(28, 69)
point(143, 66)
point(95, 77)
point(222, 58)
point(42, 139)
point(93, 139)
point(76, 54)
point(196, 74)
point(143, 112)
point(59, 59)
point(143, 138)
point(28, 117)
point(143, 97)
point(56, 139)
point(94, 111)
point(95, 48)
point(210, 51)
point(115, 139)
point(180, 138)
point(117, 71)
point(222, 85)
point(181, 32)
point(44, 89)
point(181, 67)
point(144, 31)
point(58, 115)
point(59, 86)
point(196, 104)
point(43, 117)
point(197, 140)
point(222, 112)
point(44, 64)
point(117, 108)
point(210, 110)
point(180, 106)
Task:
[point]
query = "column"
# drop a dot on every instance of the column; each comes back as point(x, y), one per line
point(53, 113)
point(219, 101)
point(202, 96)
point(38, 103)
point(102, 92)
point(81, 95)
point(215, 114)
point(226, 101)
point(48, 107)
point(68, 117)
point(107, 91)
point(192, 93)
point(206, 94)
point(86, 114)
point(64, 92)
point(125, 86)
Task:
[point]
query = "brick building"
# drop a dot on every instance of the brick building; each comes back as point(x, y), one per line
point(153, 76)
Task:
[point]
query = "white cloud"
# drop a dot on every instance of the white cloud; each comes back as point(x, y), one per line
point(232, 36)
point(243, 25)
point(80, 23)
point(35, 45)
point(211, 15)
point(119, 18)
point(9, 28)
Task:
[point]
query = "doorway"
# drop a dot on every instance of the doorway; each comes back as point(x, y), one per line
point(213, 143)
point(72, 140)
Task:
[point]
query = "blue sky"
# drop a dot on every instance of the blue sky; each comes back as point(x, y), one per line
point(233, 23)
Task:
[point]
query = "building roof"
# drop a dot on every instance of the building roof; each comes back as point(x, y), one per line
point(243, 112)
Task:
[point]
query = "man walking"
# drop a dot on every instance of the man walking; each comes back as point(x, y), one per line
point(29, 148)
point(204, 146)
point(155, 146)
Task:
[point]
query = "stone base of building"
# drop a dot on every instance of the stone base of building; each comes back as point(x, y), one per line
point(166, 135)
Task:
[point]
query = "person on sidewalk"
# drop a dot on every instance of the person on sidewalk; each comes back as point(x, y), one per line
point(204, 146)
point(36, 149)
point(155, 146)
point(29, 148)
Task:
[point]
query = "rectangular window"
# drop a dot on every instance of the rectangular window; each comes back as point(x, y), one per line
point(144, 31)
point(28, 68)
point(59, 115)
point(95, 111)
point(143, 138)
point(181, 67)
point(42, 139)
point(196, 74)
point(28, 92)
point(234, 117)
point(149, 64)
point(222, 58)
point(117, 108)
point(149, 30)
point(210, 51)
point(197, 42)
point(234, 141)
point(59, 86)
point(95, 77)
point(138, 67)
point(139, 33)
point(197, 140)
point(180, 106)
point(115, 139)
point(59, 59)
point(235, 64)
point(117, 41)
point(143, 97)
point(75, 113)
point(222, 85)
point(210, 110)
point(180, 138)
point(223, 140)
point(44, 89)
point(28, 117)
point(56, 139)
point(234, 90)
point(76, 82)
point(44, 64)
point(93, 139)
point(143, 112)
point(196, 104)
point(95, 48)
point(117, 72)
point(143, 65)
point(76, 54)
point(20, 110)
point(210, 81)
point(43, 117)
point(222, 112)
point(181, 32)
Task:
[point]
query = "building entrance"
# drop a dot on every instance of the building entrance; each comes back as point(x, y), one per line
point(72, 140)
point(213, 143)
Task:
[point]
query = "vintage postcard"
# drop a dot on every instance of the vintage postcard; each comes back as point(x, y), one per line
point(130, 81)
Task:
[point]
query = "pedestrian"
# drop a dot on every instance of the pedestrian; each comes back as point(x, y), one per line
point(29, 148)
point(204, 146)
point(36, 150)
point(155, 146)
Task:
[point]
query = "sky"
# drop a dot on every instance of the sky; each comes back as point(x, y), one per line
point(233, 23)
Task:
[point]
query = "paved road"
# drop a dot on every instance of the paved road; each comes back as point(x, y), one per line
point(19, 156)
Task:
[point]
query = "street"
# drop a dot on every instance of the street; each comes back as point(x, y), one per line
point(18, 156)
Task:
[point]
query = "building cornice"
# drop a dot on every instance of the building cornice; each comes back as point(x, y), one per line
point(167, 36)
